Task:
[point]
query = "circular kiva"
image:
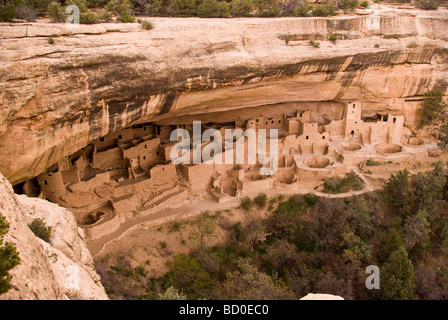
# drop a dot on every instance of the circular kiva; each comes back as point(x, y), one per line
point(415, 141)
point(388, 148)
point(317, 162)
point(349, 146)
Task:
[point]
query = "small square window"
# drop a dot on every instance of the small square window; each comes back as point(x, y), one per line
point(120, 137)
point(307, 137)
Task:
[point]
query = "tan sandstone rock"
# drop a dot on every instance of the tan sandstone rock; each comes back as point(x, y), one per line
point(61, 269)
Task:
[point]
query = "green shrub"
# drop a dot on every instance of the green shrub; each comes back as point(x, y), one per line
point(104, 16)
point(428, 4)
point(56, 12)
point(246, 203)
point(213, 9)
point(267, 8)
point(302, 9)
point(337, 185)
point(27, 13)
point(9, 257)
point(50, 40)
point(432, 106)
point(8, 13)
point(40, 229)
point(96, 3)
point(126, 18)
point(261, 200)
point(184, 8)
point(154, 8)
point(365, 4)
point(81, 4)
point(146, 25)
point(120, 8)
point(163, 244)
point(372, 163)
point(324, 10)
point(241, 8)
point(314, 43)
point(333, 37)
point(88, 18)
point(350, 4)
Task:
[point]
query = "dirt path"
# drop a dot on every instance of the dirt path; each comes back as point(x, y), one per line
point(198, 206)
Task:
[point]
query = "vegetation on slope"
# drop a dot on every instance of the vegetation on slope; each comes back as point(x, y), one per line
point(314, 244)
point(9, 257)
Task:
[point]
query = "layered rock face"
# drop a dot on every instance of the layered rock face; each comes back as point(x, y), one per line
point(61, 269)
point(56, 99)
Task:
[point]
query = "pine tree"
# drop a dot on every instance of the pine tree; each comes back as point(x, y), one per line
point(397, 277)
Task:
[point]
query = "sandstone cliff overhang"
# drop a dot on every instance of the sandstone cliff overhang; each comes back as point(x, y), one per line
point(56, 99)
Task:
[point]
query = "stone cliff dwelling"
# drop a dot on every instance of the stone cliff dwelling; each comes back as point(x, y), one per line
point(128, 172)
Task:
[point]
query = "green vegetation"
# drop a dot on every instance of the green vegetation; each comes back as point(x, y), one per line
point(184, 8)
point(9, 257)
point(432, 106)
point(351, 182)
point(313, 244)
point(124, 10)
point(267, 8)
point(40, 229)
point(8, 13)
point(241, 8)
point(146, 25)
point(81, 4)
point(172, 294)
point(333, 37)
point(302, 9)
point(213, 9)
point(203, 228)
point(428, 4)
point(26, 12)
point(246, 203)
point(314, 44)
point(187, 275)
point(324, 10)
point(372, 163)
point(88, 18)
point(443, 134)
point(50, 40)
point(154, 8)
point(260, 200)
point(350, 4)
point(56, 12)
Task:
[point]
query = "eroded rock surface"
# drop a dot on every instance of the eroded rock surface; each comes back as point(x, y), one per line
point(61, 269)
point(58, 98)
